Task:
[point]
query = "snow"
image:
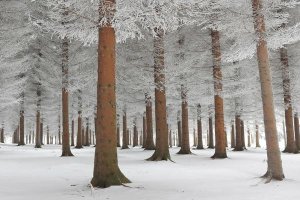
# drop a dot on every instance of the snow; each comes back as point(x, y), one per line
point(28, 173)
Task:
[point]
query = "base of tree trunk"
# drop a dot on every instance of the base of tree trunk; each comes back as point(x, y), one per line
point(150, 148)
point(210, 147)
point(184, 151)
point(158, 156)
point(21, 144)
point(125, 147)
point(66, 154)
point(78, 147)
point(269, 177)
point(199, 147)
point(219, 155)
point(238, 149)
point(290, 150)
point(118, 145)
point(37, 146)
point(116, 178)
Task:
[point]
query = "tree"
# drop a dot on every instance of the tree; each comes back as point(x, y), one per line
point(274, 159)
point(106, 170)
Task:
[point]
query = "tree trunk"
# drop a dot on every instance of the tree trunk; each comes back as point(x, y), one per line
point(118, 135)
point(232, 143)
point(42, 133)
point(144, 131)
point(170, 139)
point(179, 128)
point(291, 145)
point(162, 149)
point(72, 133)
point(220, 148)
point(87, 138)
point(297, 136)
point(37, 131)
point(199, 128)
point(249, 138)
point(243, 134)
point(125, 134)
point(106, 169)
point(135, 136)
point(79, 132)
point(21, 141)
point(185, 142)
point(149, 140)
point(273, 153)
point(48, 142)
point(211, 134)
point(66, 151)
point(257, 136)
point(238, 131)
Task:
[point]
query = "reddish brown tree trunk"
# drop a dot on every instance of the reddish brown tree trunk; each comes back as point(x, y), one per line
point(179, 130)
point(162, 148)
point(144, 131)
point(125, 133)
point(211, 134)
point(199, 128)
point(135, 136)
point(118, 135)
point(21, 142)
point(79, 132)
point(232, 143)
point(66, 151)
point(297, 136)
point(257, 136)
point(273, 153)
point(220, 148)
point(87, 138)
point(106, 169)
point(238, 131)
point(149, 140)
point(243, 134)
point(290, 145)
point(72, 133)
point(185, 142)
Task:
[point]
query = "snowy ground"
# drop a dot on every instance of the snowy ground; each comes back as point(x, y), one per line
point(34, 174)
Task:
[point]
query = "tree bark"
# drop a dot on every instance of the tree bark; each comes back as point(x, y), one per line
point(179, 130)
point(106, 169)
point(275, 170)
point(291, 145)
point(125, 134)
point(297, 133)
point(211, 134)
point(72, 132)
point(149, 140)
point(220, 148)
point(118, 135)
point(48, 136)
point(37, 131)
point(21, 141)
point(135, 136)
point(42, 133)
point(87, 138)
point(162, 149)
point(238, 131)
point(243, 134)
point(232, 143)
point(185, 142)
point(66, 151)
point(79, 132)
point(257, 136)
point(144, 131)
point(199, 128)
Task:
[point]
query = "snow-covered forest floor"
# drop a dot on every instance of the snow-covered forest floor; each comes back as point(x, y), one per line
point(33, 174)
